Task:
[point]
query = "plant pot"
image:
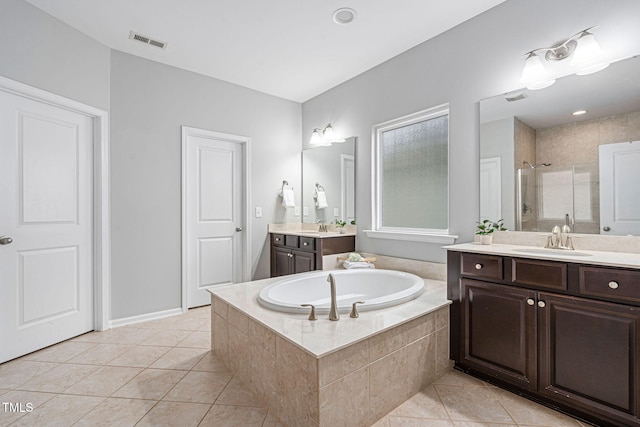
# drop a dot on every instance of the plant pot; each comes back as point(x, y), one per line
point(341, 230)
point(486, 239)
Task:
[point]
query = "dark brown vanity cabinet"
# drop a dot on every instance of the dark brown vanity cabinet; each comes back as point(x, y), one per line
point(562, 333)
point(292, 254)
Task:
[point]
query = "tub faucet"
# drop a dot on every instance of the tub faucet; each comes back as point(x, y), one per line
point(333, 312)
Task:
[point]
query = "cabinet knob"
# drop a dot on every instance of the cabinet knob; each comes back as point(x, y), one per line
point(541, 304)
point(305, 244)
point(277, 239)
point(478, 266)
point(613, 284)
point(530, 301)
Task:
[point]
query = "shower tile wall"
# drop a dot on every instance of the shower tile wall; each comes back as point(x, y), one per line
point(574, 144)
point(525, 151)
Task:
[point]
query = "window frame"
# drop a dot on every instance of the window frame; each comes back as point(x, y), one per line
point(405, 233)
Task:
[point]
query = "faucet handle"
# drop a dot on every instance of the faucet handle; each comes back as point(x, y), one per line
point(549, 242)
point(354, 310)
point(312, 315)
point(569, 244)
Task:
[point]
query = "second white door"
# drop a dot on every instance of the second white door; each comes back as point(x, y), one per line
point(214, 209)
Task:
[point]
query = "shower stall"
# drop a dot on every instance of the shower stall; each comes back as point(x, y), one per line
point(548, 195)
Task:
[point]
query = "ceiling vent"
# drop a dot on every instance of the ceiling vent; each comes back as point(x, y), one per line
point(515, 96)
point(147, 40)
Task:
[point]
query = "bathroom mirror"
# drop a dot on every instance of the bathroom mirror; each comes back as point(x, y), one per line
point(332, 168)
point(541, 165)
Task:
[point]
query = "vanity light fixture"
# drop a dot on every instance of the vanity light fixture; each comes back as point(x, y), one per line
point(585, 52)
point(579, 112)
point(324, 137)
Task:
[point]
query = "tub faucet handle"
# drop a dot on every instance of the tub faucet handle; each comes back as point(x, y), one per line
point(354, 310)
point(312, 315)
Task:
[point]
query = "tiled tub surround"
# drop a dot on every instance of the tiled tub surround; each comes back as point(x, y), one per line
point(322, 373)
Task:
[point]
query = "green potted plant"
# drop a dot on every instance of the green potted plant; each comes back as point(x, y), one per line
point(485, 229)
point(340, 225)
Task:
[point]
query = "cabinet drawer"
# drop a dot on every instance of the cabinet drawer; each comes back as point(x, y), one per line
point(307, 243)
point(477, 265)
point(544, 274)
point(278, 239)
point(622, 285)
point(290, 241)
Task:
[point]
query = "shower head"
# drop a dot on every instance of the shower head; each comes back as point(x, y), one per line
point(535, 166)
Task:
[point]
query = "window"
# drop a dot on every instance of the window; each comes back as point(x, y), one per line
point(411, 177)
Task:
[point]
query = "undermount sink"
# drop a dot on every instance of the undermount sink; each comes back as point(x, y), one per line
point(549, 251)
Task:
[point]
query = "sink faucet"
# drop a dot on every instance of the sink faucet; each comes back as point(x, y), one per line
point(556, 241)
point(333, 312)
point(322, 226)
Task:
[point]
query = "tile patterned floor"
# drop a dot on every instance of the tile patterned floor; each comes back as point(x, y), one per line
point(161, 372)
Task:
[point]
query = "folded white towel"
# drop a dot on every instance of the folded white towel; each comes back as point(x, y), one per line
point(288, 200)
point(321, 200)
point(360, 264)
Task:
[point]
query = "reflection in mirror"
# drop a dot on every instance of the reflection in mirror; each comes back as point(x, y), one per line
point(541, 166)
point(331, 171)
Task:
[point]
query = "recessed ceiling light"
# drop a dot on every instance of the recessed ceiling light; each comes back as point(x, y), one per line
point(579, 112)
point(344, 15)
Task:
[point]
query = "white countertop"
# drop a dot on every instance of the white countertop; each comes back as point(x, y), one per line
point(612, 259)
point(315, 234)
point(323, 336)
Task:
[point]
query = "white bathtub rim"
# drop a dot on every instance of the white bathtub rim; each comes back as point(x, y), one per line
point(401, 297)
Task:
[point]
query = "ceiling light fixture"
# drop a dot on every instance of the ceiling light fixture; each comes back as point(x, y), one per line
point(579, 112)
point(344, 15)
point(324, 137)
point(585, 52)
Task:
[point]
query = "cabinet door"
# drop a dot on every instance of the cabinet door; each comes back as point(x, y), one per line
point(499, 331)
point(303, 261)
point(589, 356)
point(282, 265)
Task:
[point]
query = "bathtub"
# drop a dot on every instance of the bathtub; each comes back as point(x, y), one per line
point(377, 288)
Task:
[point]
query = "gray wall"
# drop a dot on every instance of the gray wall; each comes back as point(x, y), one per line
point(41, 51)
point(149, 103)
point(477, 59)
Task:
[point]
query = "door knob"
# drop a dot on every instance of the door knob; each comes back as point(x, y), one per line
point(606, 228)
point(5, 240)
point(240, 229)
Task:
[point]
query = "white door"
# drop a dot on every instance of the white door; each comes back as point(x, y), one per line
point(490, 189)
point(46, 277)
point(348, 169)
point(620, 188)
point(213, 212)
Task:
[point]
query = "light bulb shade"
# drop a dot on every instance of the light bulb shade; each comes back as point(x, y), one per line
point(534, 76)
point(316, 139)
point(589, 56)
point(328, 134)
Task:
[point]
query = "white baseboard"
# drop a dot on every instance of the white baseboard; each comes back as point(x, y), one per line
point(144, 317)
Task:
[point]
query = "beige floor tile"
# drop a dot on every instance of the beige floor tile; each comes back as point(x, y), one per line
point(150, 384)
point(417, 422)
point(203, 312)
point(210, 363)
point(124, 335)
point(526, 412)
point(117, 412)
point(236, 394)
point(474, 424)
point(425, 404)
point(199, 387)
point(205, 328)
point(458, 378)
point(472, 403)
point(59, 378)
point(180, 358)
point(100, 354)
point(139, 356)
point(234, 416)
point(60, 352)
point(383, 422)
point(104, 382)
point(272, 421)
point(18, 372)
point(62, 410)
point(175, 414)
point(165, 338)
point(197, 340)
point(24, 402)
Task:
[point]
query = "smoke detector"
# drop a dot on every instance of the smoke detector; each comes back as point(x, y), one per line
point(147, 40)
point(344, 15)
